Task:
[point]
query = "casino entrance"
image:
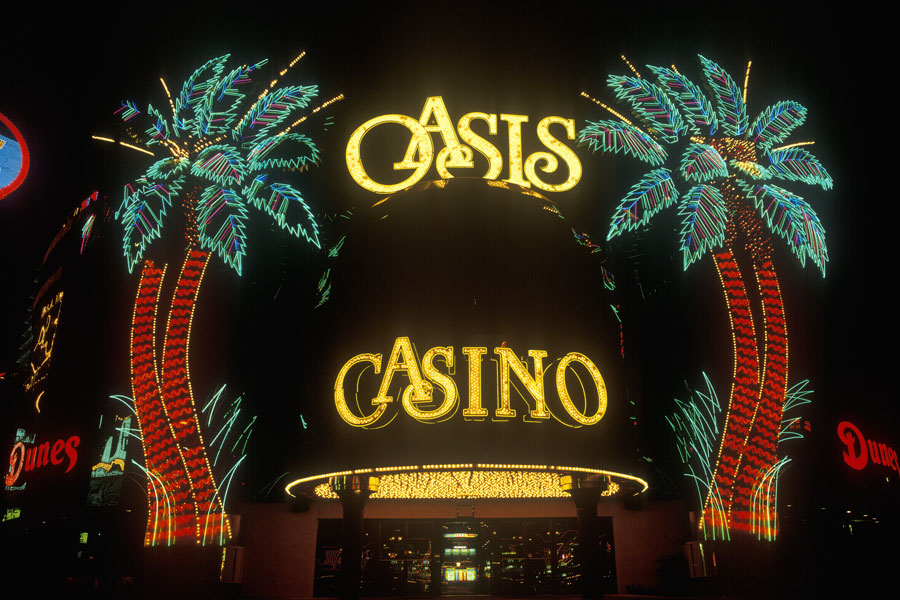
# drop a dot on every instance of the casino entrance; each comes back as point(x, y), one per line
point(464, 557)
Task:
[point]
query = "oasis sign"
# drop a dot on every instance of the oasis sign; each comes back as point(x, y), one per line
point(456, 154)
point(423, 376)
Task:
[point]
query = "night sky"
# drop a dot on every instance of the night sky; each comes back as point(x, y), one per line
point(63, 79)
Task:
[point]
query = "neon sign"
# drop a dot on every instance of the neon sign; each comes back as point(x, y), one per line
point(423, 380)
point(857, 454)
point(460, 155)
point(40, 456)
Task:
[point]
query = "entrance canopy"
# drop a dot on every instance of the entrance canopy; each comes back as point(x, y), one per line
point(473, 480)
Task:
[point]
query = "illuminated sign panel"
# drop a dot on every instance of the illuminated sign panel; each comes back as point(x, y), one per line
point(460, 155)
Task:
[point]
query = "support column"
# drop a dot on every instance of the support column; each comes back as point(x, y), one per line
point(437, 558)
point(353, 490)
point(585, 490)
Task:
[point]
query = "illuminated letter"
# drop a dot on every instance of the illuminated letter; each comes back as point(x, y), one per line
point(421, 390)
point(488, 150)
point(340, 401)
point(30, 455)
point(543, 131)
point(420, 139)
point(43, 454)
point(535, 385)
point(71, 444)
point(459, 156)
point(856, 459)
point(16, 460)
point(444, 382)
point(474, 355)
point(55, 458)
point(563, 392)
point(515, 148)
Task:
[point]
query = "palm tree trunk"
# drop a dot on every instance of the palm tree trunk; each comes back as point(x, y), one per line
point(210, 524)
point(170, 510)
point(183, 501)
point(762, 443)
point(742, 401)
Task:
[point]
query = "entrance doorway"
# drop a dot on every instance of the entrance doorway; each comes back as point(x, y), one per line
point(497, 557)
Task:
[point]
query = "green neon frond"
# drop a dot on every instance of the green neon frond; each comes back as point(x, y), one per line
point(127, 111)
point(703, 226)
point(219, 109)
point(696, 439)
point(775, 123)
point(728, 96)
point(699, 112)
point(287, 207)
point(796, 396)
point(616, 136)
point(796, 164)
point(221, 224)
point(764, 501)
point(650, 104)
point(792, 218)
point(141, 215)
point(701, 163)
point(159, 129)
point(273, 152)
point(190, 102)
point(753, 170)
point(654, 192)
point(274, 109)
point(220, 163)
point(778, 209)
point(166, 169)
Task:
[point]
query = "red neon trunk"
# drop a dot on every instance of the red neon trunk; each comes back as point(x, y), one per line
point(743, 398)
point(761, 452)
point(184, 506)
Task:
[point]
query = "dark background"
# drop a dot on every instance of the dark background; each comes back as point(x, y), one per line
point(65, 75)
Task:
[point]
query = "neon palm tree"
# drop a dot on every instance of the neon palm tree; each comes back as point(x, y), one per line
point(218, 164)
point(731, 211)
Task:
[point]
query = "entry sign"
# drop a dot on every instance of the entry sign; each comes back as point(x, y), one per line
point(422, 381)
point(457, 154)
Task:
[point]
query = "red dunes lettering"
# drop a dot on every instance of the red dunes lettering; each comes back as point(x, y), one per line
point(859, 451)
point(40, 455)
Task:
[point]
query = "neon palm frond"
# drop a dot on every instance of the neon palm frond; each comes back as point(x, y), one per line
point(217, 112)
point(701, 163)
point(797, 164)
point(728, 96)
point(615, 136)
point(650, 104)
point(764, 502)
point(142, 213)
point(696, 439)
point(701, 116)
point(654, 192)
point(165, 169)
point(703, 226)
point(189, 104)
point(797, 395)
point(220, 163)
point(775, 123)
point(274, 108)
point(261, 156)
point(221, 224)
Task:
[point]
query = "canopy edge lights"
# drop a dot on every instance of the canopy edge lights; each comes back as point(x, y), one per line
point(467, 480)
